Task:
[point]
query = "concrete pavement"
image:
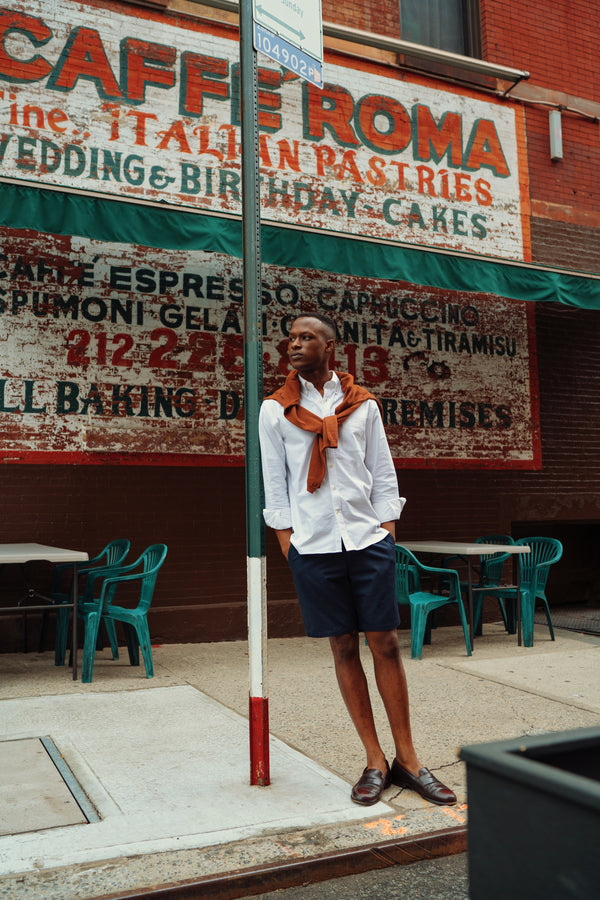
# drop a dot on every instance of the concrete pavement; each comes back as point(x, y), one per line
point(164, 761)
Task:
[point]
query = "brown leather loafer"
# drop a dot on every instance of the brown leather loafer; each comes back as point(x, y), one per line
point(370, 786)
point(425, 784)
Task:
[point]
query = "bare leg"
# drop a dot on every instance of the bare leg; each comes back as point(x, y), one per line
point(353, 685)
point(391, 683)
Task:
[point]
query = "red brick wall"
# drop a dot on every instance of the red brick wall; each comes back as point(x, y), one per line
point(379, 16)
point(559, 243)
point(198, 513)
point(556, 42)
point(572, 180)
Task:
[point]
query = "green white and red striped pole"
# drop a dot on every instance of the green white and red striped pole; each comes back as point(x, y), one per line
point(253, 392)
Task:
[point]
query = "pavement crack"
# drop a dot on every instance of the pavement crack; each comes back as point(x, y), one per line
point(451, 765)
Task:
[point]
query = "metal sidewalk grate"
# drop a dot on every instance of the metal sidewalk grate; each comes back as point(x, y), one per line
point(37, 788)
point(573, 618)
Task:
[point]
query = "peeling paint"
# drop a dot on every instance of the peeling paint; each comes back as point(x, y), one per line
point(117, 349)
point(130, 104)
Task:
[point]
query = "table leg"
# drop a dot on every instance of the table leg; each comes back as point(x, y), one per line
point(74, 638)
point(517, 563)
point(470, 599)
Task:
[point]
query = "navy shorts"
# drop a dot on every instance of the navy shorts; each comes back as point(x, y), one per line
point(354, 590)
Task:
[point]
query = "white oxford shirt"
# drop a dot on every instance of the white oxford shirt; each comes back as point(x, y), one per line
point(359, 490)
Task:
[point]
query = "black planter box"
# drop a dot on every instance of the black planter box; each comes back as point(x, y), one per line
point(534, 817)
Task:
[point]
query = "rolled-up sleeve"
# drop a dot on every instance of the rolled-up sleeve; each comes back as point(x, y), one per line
point(385, 499)
point(277, 512)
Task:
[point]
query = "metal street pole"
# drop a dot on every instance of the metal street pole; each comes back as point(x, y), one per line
point(253, 391)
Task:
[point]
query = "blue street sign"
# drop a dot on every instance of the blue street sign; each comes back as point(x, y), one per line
point(294, 59)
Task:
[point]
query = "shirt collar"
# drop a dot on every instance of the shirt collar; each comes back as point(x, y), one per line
point(329, 387)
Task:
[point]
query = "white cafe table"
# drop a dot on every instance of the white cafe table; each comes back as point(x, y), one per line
point(469, 550)
point(15, 554)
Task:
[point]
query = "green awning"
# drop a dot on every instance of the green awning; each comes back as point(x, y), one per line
point(59, 212)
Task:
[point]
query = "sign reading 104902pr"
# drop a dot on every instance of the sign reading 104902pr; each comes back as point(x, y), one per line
point(290, 32)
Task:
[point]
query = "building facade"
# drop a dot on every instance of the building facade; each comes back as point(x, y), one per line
point(436, 195)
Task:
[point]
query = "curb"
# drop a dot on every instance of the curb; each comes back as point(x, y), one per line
point(275, 876)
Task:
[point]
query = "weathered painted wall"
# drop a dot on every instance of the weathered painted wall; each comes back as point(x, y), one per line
point(140, 106)
point(126, 349)
point(119, 352)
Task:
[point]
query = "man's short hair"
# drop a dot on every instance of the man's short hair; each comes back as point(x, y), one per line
point(321, 317)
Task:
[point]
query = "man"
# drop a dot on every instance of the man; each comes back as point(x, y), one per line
point(332, 498)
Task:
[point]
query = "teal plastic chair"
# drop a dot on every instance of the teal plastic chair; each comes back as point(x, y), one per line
point(491, 570)
point(99, 604)
point(114, 554)
point(535, 568)
point(422, 603)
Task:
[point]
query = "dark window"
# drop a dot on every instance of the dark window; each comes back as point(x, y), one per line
point(446, 24)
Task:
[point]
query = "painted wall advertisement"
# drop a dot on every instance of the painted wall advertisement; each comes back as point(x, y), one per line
point(147, 107)
point(129, 350)
point(109, 348)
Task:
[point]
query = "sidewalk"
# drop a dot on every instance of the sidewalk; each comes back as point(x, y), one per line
point(164, 761)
